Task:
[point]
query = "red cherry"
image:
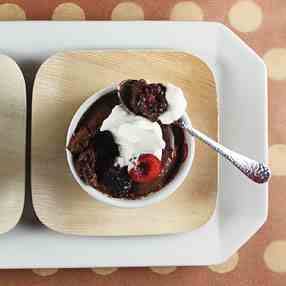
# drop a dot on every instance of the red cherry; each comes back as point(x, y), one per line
point(147, 168)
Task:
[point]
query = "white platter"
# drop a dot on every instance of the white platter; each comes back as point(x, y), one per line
point(241, 205)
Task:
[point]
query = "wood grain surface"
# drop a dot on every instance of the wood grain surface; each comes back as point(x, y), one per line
point(12, 143)
point(63, 82)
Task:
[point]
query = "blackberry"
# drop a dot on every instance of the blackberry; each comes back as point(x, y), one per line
point(117, 182)
point(148, 100)
point(93, 154)
point(106, 151)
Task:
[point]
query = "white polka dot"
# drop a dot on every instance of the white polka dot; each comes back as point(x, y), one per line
point(187, 11)
point(127, 11)
point(163, 270)
point(104, 271)
point(226, 266)
point(275, 60)
point(245, 16)
point(275, 256)
point(11, 12)
point(68, 12)
point(277, 159)
point(45, 271)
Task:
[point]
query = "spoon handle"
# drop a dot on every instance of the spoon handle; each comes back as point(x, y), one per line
point(256, 171)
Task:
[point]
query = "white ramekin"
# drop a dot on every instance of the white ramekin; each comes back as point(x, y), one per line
point(150, 199)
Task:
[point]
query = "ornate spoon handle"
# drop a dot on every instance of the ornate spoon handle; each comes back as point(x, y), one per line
point(256, 171)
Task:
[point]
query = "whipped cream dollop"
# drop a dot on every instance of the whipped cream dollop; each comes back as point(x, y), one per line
point(177, 104)
point(135, 135)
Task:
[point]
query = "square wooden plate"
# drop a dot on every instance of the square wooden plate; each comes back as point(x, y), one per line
point(12, 143)
point(63, 82)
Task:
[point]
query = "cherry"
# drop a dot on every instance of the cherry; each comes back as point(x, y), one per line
point(147, 168)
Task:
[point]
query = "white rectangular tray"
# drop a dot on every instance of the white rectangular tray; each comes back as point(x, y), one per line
point(241, 207)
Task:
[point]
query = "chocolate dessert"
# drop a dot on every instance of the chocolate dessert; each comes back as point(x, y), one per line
point(98, 154)
point(148, 100)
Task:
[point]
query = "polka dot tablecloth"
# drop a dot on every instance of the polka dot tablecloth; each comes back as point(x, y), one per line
point(262, 24)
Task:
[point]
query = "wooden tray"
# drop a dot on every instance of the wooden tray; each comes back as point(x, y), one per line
point(12, 143)
point(63, 82)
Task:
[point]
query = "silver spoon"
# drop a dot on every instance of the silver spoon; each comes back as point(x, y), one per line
point(256, 171)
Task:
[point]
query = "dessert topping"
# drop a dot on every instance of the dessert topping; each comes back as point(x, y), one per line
point(147, 168)
point(177, 104)
point(134, 135)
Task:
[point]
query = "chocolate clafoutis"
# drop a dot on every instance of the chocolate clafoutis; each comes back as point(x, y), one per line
point(98, 154)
